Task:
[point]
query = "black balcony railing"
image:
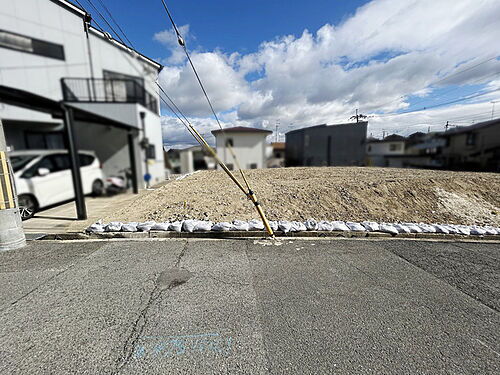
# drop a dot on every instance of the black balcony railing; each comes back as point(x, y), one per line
point(113, 90)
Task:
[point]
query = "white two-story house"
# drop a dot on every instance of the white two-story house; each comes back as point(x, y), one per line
point(50, 48)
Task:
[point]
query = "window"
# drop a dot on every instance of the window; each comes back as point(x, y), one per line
point(150, 152)
point(394, 147)
point(45, 162)
point(85, 160)
point(471, 139)
point(229, 166)
point(253, 166)
point(60, 161)
point(30, 45)
point(39, 140)
point(229, 142)
point(20, 161)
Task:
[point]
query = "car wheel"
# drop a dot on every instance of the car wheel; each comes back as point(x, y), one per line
point(27, 206)
point(97, 188)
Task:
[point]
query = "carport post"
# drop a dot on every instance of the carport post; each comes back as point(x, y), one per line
point(74, 161)
point(133, 165)
point(11, 228)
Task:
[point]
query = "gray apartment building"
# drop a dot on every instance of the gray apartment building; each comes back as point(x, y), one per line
point(324, 145)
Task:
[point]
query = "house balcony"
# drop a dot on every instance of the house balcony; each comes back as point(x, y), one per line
point(107, 90)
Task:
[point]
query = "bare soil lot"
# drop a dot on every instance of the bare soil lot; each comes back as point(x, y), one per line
point(326, 193)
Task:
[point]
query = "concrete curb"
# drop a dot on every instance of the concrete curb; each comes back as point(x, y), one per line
point(261, 234)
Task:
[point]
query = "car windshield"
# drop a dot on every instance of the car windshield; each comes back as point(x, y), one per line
point(20, 161)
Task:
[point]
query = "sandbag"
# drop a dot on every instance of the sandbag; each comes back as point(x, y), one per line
point(325, 226)
point(160, 226)
point(490, 230)
point(463, 229)
point(370, 226)
point(452, 229)
point(146, 226)
point(97, 227)
point(311, 224)
point(255, 225)
point(388, 228)
point(114, 226)
point(414, 228)
point(355, 227)
point(240, 225)
point(477, 231)
point(188, 225)
point(274, 225)
point(222, 227)
point(284, 226)
point(401, 228)
point(176, 226)
point(297, 226)
point(426, 228)
point(203, 226)
point(129, 227)
point(441, 229)
point(340, 225)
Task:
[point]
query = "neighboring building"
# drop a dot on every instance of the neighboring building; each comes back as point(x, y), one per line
point(188, 160)
point(44, 50)
point(321, 145)
point(277, 157)
point(475, 147)
point(378, 151)
point(248, 144)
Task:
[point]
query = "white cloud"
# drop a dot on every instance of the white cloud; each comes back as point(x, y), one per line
point(372, 61)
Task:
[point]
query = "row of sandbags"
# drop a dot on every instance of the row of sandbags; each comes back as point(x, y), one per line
point(293, 226)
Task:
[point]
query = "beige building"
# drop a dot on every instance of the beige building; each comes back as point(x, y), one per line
point(475, 147)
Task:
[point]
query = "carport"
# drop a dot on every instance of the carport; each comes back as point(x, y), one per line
point(69, 114)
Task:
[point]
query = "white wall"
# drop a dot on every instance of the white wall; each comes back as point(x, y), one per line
point(248, 147)
point(384, 148)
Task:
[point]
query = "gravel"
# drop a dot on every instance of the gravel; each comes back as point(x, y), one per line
point(326, 193)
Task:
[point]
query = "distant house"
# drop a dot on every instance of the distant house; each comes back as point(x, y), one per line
point(248, 144)
point(418, 150)
point(277, 158)
point(378, 151)
point(322, 145)
point(475, 147)
point(188, 160)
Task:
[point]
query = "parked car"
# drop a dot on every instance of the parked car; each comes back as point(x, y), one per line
point(43, 178)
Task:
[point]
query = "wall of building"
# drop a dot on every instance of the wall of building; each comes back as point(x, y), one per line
point(339, 145)
point(378, 153)
point(249, 148)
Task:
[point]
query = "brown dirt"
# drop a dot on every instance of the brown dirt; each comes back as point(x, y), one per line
point(329, 193)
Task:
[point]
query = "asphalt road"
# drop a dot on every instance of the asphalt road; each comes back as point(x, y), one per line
point(246, 307)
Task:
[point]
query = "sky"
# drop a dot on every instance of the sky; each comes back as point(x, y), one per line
point(409, 65)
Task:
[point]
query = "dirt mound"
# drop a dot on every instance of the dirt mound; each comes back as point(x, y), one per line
point(330, 193)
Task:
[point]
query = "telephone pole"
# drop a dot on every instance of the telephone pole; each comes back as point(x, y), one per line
point(11, 228)
point(277, 127)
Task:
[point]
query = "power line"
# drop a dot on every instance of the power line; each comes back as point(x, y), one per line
point(436, 105)
point(446, 78)
point(116, 23)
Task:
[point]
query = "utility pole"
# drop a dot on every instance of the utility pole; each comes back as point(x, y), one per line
point(446, 126)
point(86, 27)
point(11, 227)
point(357, 117)
point(145, 146)
point(493, 107)
point(277, 127)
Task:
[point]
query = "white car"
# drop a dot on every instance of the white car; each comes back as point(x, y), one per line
point(43, 178)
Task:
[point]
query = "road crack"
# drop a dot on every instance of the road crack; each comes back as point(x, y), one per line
point(159, 285)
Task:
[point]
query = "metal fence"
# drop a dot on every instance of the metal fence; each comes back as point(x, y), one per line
point(102, 90)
